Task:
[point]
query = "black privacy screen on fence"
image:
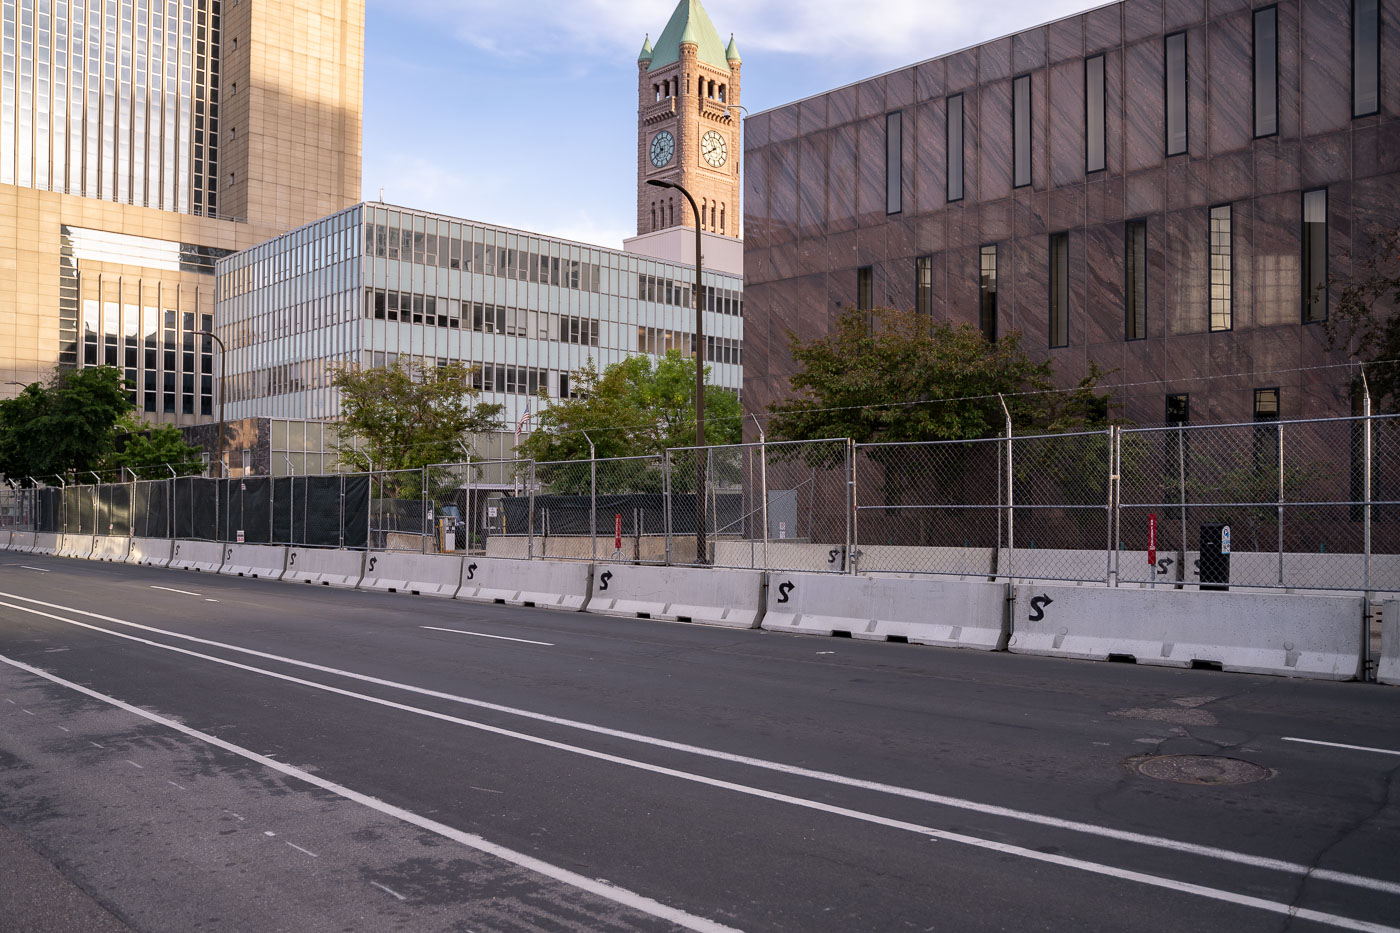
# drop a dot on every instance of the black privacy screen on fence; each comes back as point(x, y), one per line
point(314, 511)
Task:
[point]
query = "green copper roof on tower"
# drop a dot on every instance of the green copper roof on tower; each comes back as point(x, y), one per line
point(646, 50)
point(690, 23)
point(732, 53)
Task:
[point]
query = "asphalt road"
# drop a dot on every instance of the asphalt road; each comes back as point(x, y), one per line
point(194, 752)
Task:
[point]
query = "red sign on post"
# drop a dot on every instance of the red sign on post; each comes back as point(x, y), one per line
point(1152, 540)
point(617, 531)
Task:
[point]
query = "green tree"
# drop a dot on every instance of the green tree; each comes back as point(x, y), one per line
point(890, 375)
point(1363, 319)
point(150, 448)
point(65, 426)
point(408, 417)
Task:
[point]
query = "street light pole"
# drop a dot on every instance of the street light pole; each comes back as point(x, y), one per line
point(223, 370)
point(701, 551)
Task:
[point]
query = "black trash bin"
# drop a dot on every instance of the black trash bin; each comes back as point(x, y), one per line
point(1215, 557)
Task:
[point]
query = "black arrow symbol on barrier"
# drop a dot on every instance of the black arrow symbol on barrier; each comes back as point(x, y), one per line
point(607, 575)
point(831, 555)
point(372, 562)
point(784, 589)
point(471, 571)
point(1038, 607)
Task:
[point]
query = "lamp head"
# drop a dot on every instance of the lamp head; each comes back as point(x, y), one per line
point(658, 183)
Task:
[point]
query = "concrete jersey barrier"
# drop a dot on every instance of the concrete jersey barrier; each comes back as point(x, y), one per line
point(924, 611)
point(731, 598)
point(419, 574)
point(204, 556)
point(22, 542)
point(46, 542)
point(261, 561)
point(111, 548)
point(76, 546)
point(1292, 636)
point(540, 583)
point(6, 538)
point(150, 552)
point(1388, 664)
point(324, 566)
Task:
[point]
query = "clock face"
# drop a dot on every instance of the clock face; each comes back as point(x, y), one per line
point(714, 149)
point(663, 146)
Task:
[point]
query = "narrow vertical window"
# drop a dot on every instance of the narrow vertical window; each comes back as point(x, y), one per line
point(923, 285)
point(1135, 280)
point(1176, 92)
point(987, 304)
point(894, 163)
point(1266, 72)
point(1021, 130)
point(865, 288)
point(1059, 290)
point(955, 148)
point(1365, 57)
point(1178, 410)
point(1222, 315)
point(1266, 415)
point(1095, 142)
point(1314, 256)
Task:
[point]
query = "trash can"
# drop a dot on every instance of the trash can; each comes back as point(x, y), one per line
point(1215, 557)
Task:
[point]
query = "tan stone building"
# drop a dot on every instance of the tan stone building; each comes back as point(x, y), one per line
point(688, 134)
point(219, 125)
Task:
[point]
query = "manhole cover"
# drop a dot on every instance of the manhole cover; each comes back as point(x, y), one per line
point(1202, 769)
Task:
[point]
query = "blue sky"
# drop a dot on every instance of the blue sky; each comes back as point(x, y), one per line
point(524, 112)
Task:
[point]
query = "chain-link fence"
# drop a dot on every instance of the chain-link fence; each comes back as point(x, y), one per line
point(1302, 505)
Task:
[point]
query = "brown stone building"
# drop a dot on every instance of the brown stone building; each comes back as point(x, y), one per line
point(228, 122)
point(1155, 185)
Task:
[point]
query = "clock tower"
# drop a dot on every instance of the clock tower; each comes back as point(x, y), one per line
point(688, 125)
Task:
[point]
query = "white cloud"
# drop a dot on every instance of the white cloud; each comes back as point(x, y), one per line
point(884, 33)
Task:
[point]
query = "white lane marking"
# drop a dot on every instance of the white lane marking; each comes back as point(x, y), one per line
point(27, 712)
point(173, 590)
point(63, 729)
point(173, 784)
point(388, 890)
point(269, 833)
point(207, 600)
point(132, 763)
point(485, 790)
point(1092, 829)
point(10, 701)
point(300, 849)
point(95, 745)
point(235, 816)
point(39, 569)
point(1354, 748)
point(433, 628)
point(599, 888)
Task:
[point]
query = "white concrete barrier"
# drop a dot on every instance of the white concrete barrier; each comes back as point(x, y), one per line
point(546, 584)
point(1046, 564)
point(47, 542)
point(204, 556)
point(150, 552)
point(325, 566)
point(795, 556)
point(419, 574)
point(924, 611)
point(970, 563)
point(75, 546)
point(1388, 664)
point(263, 561)
point(22, 542)
point(1293, 636)
point(110, 548)
point(732, 598)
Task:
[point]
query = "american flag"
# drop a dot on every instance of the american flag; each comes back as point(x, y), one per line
point(520, 425)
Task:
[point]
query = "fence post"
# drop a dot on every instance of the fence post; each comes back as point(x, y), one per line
point(1115, 441)
point(1181, 490)
point(1010, 497)
point(852, 510)
point(1280, 504)
point(530, 479)
point(424, 522)
point(592, 496)
point(763, 489)
point(342, 510)
point(666, 499)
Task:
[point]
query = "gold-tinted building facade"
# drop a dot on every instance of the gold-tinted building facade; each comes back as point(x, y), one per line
point(139, 141)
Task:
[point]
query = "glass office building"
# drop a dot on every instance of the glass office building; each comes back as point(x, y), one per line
point(375, 284)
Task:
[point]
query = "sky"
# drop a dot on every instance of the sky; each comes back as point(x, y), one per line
point(524, 112)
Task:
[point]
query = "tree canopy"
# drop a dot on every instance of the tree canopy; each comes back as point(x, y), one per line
point(407, 417)
point(1363, 319)
point(149, 449)
point(890, 375)
point(633, 408)
point(66, 425)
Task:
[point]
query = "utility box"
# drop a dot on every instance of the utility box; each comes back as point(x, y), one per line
point(1215, 557)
